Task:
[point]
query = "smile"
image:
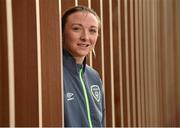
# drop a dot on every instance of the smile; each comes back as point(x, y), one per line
point(83, 45)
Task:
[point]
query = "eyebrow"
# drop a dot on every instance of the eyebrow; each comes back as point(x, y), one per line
point(82, 25)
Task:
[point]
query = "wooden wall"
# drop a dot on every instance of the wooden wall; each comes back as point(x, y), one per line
point(137, 56)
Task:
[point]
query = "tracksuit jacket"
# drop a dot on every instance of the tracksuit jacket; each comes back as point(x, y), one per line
point(83, 95)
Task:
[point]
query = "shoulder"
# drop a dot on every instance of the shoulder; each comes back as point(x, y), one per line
point(92, 74)
point(91, 70)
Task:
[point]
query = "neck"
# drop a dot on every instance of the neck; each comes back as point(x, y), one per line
point(79, 60)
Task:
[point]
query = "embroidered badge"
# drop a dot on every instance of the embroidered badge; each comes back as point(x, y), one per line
point(95, 90)
point(70, 96)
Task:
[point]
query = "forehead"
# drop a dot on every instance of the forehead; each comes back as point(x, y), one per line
point(82, 18)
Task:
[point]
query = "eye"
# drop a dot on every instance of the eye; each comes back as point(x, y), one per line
point(76, 28)
point(93, 31)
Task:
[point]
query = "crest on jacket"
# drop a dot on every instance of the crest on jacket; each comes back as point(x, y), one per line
point(95, 90)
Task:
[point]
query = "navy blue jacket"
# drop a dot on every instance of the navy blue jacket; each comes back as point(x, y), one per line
point(83, 95)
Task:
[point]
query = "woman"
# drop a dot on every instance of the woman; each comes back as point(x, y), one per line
point(83, 95)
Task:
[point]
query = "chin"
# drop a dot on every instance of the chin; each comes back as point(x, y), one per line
point(83, 54)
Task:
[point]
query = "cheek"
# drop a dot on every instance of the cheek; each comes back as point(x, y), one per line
point(94, 40)
point(69, 38)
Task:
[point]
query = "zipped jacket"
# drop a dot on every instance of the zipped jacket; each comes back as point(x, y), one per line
point(83, 94)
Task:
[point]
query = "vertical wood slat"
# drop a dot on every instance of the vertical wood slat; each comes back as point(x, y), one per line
point(66, 4)
point(170, 82)
point(10, 44)
point(51, 63)
point(39, 63)
point(120, 66)
point(144, 59)
point(102, 40)
point(149, 60)
point(132, 50)
point(83, 2)
point(123, 65)
point(107, 65)
point(97, 61)
point(112, 62)
point(174, 66)
point(4, 94)
point(61, 68)
point(142, 88)
point(127, 63)
point(177, 48)
point(116, 62)
point(26, 82)
point(160, 66)
point(153, 63)
point(137, 58)
point(154, 30)
point(164, 60)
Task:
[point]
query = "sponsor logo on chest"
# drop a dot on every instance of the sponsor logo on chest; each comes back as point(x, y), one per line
point(69, 96)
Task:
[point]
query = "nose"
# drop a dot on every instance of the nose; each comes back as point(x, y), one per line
point(84, 35)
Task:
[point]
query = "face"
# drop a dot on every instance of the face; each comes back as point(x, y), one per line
point(80, 34)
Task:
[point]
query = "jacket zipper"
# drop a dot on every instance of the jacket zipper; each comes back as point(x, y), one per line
point(86, 98)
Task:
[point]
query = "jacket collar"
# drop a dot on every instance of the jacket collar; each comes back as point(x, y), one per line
point(70, 63)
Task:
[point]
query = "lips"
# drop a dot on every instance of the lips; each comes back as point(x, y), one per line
point(83, 45)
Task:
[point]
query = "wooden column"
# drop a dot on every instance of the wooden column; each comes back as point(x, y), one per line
point(4, 91)
point(51, 62)
point(25, 63)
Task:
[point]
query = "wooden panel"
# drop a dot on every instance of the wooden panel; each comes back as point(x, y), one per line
point(123, 62)
point(83, 2)
point(152, 62)
point(51, 49)
point(137, 65)
point(25, 63)
point(149, 65)
point(177, 60)
point(128, 62)
point(107, 64)
point(116, 61)
point(160, 65)
point(132, 64)
point(98, 61)
point(111, 61)
point(142, 86)
point(163, 62)
point(168, 78)
point(4, 94)
point(144, 60)
point(120, 64)
point(66, 4)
